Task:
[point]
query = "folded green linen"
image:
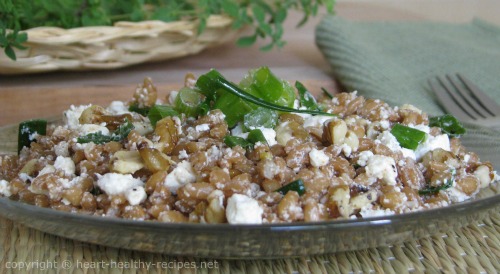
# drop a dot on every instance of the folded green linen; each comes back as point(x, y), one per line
point(393, 61)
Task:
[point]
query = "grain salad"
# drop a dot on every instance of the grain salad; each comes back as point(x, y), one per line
point(260, 151)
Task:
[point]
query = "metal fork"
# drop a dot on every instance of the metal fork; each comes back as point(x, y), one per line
point(461, 98)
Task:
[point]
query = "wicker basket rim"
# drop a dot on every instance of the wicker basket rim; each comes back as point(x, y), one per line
point(108, 47)
point(214, 20)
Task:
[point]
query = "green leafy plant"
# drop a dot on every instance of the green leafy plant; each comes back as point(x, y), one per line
point(264, 17)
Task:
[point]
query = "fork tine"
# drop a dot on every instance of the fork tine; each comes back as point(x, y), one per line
point(447, 102)
point(469, 100)
point(458, 100)
point(487, 102)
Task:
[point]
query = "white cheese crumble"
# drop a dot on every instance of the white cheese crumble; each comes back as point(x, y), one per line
point(135, 195)
point(270, 169)
point(178, 124)
point(466, 158)
point(269, 135)
point(202, 127)
point(367, 212)
point(363, 157)
point(72, 115)
point(65, 183)
point(62, 149)
point(382, 167)
point(118, 108)
point(408, 153)
point(65, 164)
point(116, 183)
point(238, 131)
point(346, 149)
point(181, 175)
point(456, 195)
point(183, 154)
point(93, 128)
point(386, 138)
point(421, 127)
point(242, 209)
point(316, 121)
point(213, 153)
point(4, 188)
point(318, 158)
point(431, 143)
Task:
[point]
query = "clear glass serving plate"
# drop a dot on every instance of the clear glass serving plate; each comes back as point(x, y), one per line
point(258, 241)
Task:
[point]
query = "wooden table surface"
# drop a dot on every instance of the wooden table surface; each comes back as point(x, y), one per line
point(44, 95)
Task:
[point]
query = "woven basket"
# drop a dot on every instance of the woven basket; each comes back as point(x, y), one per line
point(110, 47)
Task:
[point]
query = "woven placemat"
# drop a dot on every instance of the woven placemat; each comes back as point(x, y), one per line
point(471, 249)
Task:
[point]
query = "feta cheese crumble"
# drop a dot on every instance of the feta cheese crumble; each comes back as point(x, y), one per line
point(202, 127)
point(382, 167)
point(72, 115)
point(242, 209)
point(4, 188)
point(65, 164)
point(118, 108)
point(116, 183)
point(318, 158)
point(135, 195)
point(92, 128)
point(431, 143)
point(181, 175)
point(269, 134)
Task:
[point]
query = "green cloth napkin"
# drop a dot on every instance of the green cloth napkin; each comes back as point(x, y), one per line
point(393, 61)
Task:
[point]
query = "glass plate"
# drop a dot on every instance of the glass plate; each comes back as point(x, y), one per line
point(256, 241)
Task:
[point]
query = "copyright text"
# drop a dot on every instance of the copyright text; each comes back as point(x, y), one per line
point(111, 264)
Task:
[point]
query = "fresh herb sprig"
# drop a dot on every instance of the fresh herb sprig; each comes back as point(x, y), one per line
point(264, 17)
point(98, 138)
point(432, 190)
